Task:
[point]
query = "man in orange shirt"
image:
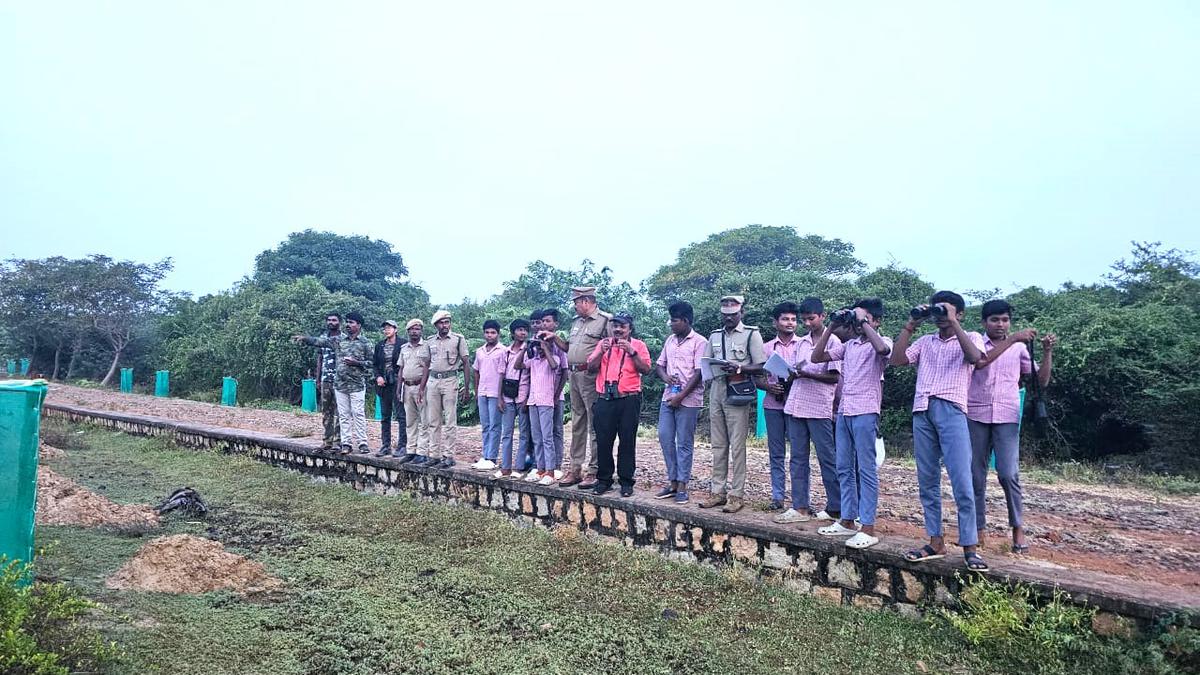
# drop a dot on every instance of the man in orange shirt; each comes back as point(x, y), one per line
point(621, 360)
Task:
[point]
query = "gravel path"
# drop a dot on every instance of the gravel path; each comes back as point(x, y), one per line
point(1117, 530)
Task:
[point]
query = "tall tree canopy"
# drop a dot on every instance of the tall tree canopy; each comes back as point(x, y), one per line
point(356, 265)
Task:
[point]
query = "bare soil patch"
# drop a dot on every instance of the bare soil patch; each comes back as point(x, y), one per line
point(62, 501)
point(189, 565)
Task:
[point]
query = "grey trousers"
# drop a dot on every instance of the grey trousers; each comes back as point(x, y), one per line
point(1005, 440)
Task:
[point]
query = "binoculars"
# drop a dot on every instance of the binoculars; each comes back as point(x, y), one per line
point(610, 390)
point(844, 316)
point(929, 312)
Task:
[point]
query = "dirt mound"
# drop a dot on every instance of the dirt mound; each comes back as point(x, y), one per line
point(50, 452)
point(62, 501)
point(183, 563)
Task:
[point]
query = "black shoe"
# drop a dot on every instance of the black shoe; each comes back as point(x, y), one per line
point(419, 459)
point(405, 459)
point(626, 490)
point(446, 463)
point(385, 451)
point(776, 505)
point(363, 449)
point(346, 450)
point(601, 488)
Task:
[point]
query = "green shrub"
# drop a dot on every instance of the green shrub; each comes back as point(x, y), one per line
point(40, 628)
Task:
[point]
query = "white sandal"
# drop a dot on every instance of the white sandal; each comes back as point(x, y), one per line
point(862, 540)
point(835, 530)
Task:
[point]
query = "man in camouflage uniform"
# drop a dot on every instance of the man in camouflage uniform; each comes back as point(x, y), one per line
point(354, 355)
point(326, 370)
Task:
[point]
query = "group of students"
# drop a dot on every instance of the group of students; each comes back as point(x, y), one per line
point(965, 406)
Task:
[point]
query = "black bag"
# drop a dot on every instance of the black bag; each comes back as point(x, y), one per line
point(742, 392)
point(509, 388)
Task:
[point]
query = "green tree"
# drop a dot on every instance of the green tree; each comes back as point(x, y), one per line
point(356, 265)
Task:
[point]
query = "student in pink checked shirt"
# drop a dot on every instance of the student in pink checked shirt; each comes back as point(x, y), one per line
point(994, 412)
point(487, 370)
point(945, 361)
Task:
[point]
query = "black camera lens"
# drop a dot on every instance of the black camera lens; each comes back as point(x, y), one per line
point(938, 311)
point(919, 313)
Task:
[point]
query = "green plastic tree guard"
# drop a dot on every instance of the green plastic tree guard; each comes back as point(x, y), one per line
point(378, 408)
point(24, 367)
point(760, 429)
point(308, 395)
point(162, 383)
point(12, 367)
point(127, 380)
point(20, 412)
point(229, 392)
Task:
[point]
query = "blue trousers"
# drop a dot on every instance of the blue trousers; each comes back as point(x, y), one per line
point(802, 431)
point(1005, 440)
point(541, 424)
point(857, 475)
point(940, 437)
point(512, 419)
point(777, 439)
point(489, 421)
point(676, 437)
point(558, 435)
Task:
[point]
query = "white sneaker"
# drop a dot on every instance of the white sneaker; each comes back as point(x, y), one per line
point(515, 475)
point(558, 474)
point(499, 474)
point(836, 530)
point(792, 516)
point(546, 480)
point(862, 540)
point(484, 465)
point(532, 477)
point(822, 515)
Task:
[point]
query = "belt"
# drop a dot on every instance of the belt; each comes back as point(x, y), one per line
point(577, 368)
point(443, 375)
point(627, 395)
point(412, 383)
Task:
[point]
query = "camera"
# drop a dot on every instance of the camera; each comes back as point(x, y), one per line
point(610, 390)
point(930, 312)
point(845, 317)
point(533, 348)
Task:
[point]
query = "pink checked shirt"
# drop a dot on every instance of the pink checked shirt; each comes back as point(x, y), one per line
point(489, 364)
point(862, 374)
point(942, 370)
point(681, 360)
point(994, 395)
point(544, 376)
point(810, 399)
point(787, 353)
point(508, 370)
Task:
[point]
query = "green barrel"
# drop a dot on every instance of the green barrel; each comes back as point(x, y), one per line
point(20, 413)
point(308, 395)
point(162, 383)
point(127, 380)
point(12, 367)
point(24, 367)
point(229, 392)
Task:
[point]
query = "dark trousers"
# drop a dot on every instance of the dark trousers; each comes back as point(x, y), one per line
point(612, 420)
point(391, 409)
point(329, 416)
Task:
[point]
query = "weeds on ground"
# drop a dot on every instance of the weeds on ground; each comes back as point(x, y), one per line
point(1132, 476)
point(1012, 626)
point(42, 627)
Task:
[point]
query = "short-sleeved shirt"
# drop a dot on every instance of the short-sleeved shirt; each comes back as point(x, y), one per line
point(544, 376)
point(509, 371)
point(681, 359)
point(994, 395)
point(413, 359)
point(743, 345)
point(942, 370)
point(616, 365)
point(787, 352)
point(447, 353)
point(489, 364)
point(811, 399)
point(586, 333)
point(862, 374)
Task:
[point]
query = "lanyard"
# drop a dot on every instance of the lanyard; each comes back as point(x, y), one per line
point(620, 368)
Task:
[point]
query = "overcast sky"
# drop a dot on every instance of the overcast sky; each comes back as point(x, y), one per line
point(982, 144)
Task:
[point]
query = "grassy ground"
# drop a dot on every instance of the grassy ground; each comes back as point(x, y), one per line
point(378, 584)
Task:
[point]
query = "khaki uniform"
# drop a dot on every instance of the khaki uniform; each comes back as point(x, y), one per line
point(447, 356)
point(730, 424)
point(413, 360)
point(586, 333)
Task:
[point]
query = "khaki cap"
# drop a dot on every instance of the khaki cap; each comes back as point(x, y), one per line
point(583, 292)
point(439, 315)
point(389, 322)
point(739, 299)
point(414, 322)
